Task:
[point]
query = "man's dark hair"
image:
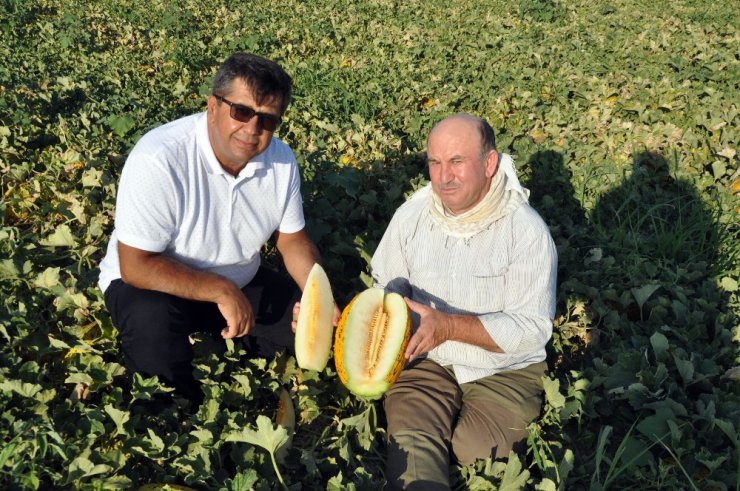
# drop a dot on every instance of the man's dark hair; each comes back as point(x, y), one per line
point(265, 77)
point(487, 137)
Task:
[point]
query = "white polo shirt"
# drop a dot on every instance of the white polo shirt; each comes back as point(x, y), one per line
point(174, 197)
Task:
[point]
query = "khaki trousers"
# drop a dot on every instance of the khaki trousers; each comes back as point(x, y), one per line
point(433, 420)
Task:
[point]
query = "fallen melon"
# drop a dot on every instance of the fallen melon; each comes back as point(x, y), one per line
point(285, 417)
point(370, 341)
point(314, 330)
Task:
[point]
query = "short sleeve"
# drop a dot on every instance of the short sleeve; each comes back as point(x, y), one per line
point(146, 204)
point(293, 219)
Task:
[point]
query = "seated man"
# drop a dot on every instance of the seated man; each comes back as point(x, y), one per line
point(197, 199)
point(477, 266)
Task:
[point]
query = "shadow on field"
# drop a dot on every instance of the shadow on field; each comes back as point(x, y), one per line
point(641, 319)
point(642, 333)
point(552, 195)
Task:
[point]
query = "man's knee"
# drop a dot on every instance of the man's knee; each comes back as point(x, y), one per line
point(147, 313)
point(424, 398)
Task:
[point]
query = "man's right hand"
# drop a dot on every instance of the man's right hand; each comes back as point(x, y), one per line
point(237, 311)
point(154, 271)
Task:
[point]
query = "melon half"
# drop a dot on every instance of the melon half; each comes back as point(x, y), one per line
point(314, 329)
point(370, 341)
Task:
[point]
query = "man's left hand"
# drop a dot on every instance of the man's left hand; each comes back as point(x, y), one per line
point(434, 328)
point(297, 310)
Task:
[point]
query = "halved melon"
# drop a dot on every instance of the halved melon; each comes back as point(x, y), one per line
point(313, 333)
point(370, 341)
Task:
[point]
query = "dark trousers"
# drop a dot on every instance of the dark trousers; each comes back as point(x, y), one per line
point(154, 327)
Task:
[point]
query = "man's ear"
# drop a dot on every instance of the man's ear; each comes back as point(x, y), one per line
point(212, 105)
point(492, 161)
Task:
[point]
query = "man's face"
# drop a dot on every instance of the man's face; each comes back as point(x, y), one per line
point(236, 143)
point(460, 175)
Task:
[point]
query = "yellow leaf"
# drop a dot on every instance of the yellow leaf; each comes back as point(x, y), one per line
point(538, 135)
point(735, 188)
point(47, 279)
point(62, 237)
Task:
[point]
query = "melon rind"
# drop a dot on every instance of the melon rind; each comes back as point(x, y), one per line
point(314, 330)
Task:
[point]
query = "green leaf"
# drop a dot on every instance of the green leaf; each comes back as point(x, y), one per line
point(8, 269)
point(79, 378)
point(119, 417)
point(685, 369)
point(514, 477)
point(57, 343)
point(564, 468)
point(245, 480)
point(366, 279)
point(552, 392)
point(91, 178)
point(337, 483)
point(546, 485)
point(729, 429)
point(643, 293)
point(23, 389)
point(655, 426)
point(266, 436)
point(8, 450)
point(61, 237)
point(120, 124)
point(729, 284)
point(145, 388)
point(719, 169)
point(47, 279)
point(660, 345)
point(633, 452)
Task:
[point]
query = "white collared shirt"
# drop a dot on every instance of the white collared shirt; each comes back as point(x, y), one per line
point(504, 275)
point(175, 198)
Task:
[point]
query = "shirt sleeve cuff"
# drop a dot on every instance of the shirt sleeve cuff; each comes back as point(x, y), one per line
point(141, 243)
point(503, 330)
point(291, 228)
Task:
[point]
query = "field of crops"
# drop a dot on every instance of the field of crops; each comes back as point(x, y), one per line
point(622, 116)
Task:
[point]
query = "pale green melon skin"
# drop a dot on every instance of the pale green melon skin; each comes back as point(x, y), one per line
point(369, 390)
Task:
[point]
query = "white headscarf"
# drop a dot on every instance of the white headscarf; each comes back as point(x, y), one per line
point(504, 196)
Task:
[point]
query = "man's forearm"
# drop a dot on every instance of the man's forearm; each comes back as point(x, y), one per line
point(469, 329)
point(299, 255)
point(164, 274)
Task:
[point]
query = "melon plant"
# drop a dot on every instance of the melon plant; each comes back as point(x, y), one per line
point(371, 337)
point(314, 329)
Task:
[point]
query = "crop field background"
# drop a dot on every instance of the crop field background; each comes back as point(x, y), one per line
point(621, 115)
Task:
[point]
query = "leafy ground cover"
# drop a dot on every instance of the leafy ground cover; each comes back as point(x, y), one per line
point(622, 116)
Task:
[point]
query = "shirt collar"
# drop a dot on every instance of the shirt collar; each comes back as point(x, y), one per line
point(212, 164)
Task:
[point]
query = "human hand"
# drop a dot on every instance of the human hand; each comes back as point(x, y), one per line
point(337, 316)
point(237, 311)
point(434, 329)
point(297, 310)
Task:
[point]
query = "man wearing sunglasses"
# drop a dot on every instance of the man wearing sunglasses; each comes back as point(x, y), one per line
point(197, 199)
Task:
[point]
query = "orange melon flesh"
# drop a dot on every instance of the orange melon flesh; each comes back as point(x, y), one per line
point(370, 341)
point(314, 330)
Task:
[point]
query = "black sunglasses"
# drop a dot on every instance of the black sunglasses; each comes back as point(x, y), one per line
point(243, 113)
